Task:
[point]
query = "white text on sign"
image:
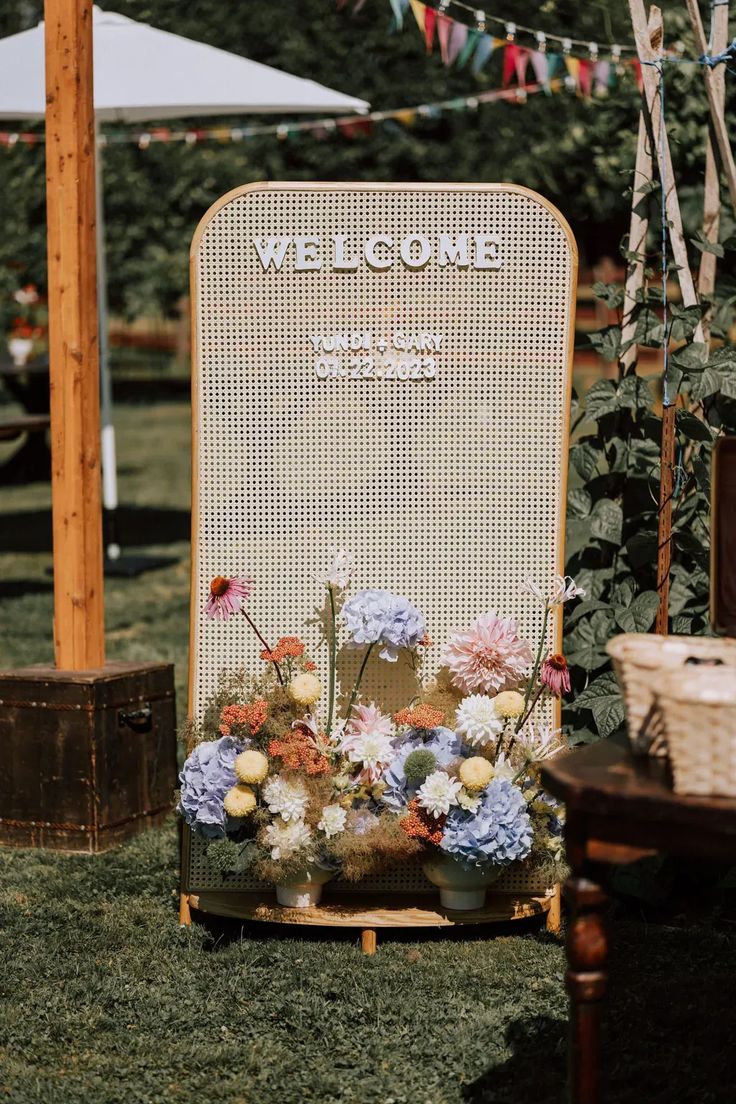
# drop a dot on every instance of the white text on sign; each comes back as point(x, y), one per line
point(380, 252)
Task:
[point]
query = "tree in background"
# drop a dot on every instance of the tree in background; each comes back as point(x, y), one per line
point(577, 152)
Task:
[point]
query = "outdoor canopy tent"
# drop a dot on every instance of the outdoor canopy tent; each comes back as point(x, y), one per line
point(142, 73)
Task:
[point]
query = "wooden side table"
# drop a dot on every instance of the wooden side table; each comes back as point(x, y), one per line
point(619, 809)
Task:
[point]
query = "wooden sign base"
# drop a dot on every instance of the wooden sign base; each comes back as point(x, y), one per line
point(87, 758)
point(367, 912)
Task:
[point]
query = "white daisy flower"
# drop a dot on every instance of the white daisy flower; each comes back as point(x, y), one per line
point(286, 799)
point(468, 802)
point(285, 838)
point(333, 820)
point(477, 720)
point(438, 793)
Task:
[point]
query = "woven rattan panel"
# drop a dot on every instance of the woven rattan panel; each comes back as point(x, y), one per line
point(202, 876)
point(448, 488)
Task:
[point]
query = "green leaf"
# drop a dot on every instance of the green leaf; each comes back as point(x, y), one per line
point(601, 399)
point(588, 606)
point(633, 392)
point(611, 294)
point(584, 458)
point(642, 547)
point(709, 383)
point(649, 329)
point(585, 646)
point(692, 357)
point(640, 614)
point(604, 700)
point(607, 521)
point(692, 427)
point(607, 342)
point(702, 474)
point(701, 242)
point(579, 502)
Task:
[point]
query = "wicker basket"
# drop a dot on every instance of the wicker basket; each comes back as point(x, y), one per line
point(640, 660)
point(698, 708)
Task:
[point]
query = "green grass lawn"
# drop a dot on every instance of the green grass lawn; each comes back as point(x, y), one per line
point(105, 1000)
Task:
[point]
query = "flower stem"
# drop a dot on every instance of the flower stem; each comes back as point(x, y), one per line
point(535, 669)
point(332, 663)
point(358, 681)
point(252, 624)
point(525, 716)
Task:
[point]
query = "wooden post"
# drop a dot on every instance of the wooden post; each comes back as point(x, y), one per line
point(73, 349)
point(712, 200)
point(368, 941)
point(660, 145)
point(715, 103)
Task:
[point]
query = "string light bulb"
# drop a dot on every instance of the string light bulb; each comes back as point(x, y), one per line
point(510, 32)
point(566, 46)
point(480, 20)
point(443, 6)
point(615, 54)
point(593, 50)
point(541, 41)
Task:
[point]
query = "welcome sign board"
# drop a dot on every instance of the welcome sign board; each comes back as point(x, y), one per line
point(382, 368)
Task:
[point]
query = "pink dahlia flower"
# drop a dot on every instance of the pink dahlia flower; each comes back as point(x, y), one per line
point(368, 740)
point(488, 657)
point(555, 674)
point(227, 596)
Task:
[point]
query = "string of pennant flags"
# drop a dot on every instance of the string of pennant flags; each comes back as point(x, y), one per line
point(512, 29)
point(462, 45)
point(349, 126)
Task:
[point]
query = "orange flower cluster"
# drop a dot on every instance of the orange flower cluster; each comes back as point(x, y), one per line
point(418, 824)
point(309, 666)
point(297, 752)
point(420, 716)
point(287, 646)
point(252, 716)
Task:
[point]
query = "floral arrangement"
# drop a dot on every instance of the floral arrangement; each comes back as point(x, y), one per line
point(27, 323)
point(296, 782)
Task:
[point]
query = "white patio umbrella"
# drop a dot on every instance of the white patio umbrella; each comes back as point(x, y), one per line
point(142, 73)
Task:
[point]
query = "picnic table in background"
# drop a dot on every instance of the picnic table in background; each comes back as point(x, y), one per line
point(28, 386)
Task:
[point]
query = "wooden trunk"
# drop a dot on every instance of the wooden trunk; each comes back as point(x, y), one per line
point(87, 758)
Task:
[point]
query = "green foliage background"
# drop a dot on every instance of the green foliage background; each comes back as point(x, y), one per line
point(578, 153)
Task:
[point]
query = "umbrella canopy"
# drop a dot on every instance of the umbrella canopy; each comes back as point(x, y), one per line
point(142, 73)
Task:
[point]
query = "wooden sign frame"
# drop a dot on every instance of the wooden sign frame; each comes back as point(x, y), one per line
point(230, 313)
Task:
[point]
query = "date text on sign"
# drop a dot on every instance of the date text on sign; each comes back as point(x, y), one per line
point(361, 355)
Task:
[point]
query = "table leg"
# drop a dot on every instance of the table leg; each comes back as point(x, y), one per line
point(587, 950)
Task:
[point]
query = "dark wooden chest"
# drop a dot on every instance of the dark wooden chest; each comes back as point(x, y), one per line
point(86, 758)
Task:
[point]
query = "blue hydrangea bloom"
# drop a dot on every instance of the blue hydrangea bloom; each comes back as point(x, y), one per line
point(444, 745)
point(208, 774)
point(500, 832)
point(380, 617)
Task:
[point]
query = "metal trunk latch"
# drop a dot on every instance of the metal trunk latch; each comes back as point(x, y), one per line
point(139, 720)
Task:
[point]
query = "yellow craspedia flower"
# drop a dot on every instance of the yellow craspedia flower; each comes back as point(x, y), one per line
point(509, 703)
point(475, 773)
point(305, 689)
point(239, 801)
point(251, 766)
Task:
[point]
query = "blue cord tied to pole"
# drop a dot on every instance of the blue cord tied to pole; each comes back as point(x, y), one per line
point(711, 60)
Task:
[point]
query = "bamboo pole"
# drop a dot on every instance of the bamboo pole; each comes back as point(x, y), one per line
point(638, 230)
point(660, 145)
point(73, 337)
point(715, 104)
point(712, 199)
